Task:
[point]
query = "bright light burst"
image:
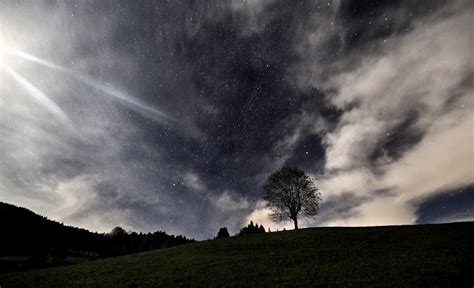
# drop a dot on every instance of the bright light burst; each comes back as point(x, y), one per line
point(39, 96)
point(7, 53)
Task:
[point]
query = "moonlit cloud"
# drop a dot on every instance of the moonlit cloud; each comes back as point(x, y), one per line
point(421, 72)
point(193, 181)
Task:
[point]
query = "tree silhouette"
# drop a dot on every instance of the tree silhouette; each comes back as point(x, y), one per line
point(252, 229)
point(223, 233)
point(289, 192)
point(118, 232)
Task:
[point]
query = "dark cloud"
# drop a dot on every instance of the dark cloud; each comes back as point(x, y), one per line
point(400, 138)
point(369, 21)
point(341, 207)
point(350, 91)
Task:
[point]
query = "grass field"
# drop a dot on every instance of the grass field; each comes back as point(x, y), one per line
point(395, 256)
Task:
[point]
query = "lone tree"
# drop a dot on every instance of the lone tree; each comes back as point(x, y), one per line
point(289, 192)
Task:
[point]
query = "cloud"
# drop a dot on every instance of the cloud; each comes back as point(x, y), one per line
point(228, 209)
point(58, 171)
point(380, 211)
point(254, 12)
point(447, 145)
point(364, 102)
point(193, 181)
point(417, 71)
point(407, 122)
point(229, 202)
point(260, 215)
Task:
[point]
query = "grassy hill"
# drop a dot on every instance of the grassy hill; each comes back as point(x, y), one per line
point(402, 256)
point(30, 241)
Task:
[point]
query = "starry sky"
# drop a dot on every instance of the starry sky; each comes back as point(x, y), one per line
point(170, 115)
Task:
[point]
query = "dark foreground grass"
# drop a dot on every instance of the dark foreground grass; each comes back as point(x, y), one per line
point(397, 256)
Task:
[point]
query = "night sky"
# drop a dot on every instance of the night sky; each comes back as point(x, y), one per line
point(169, 115)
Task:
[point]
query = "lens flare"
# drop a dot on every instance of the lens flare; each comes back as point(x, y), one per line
point(32, 58)
point(132, 102)
point(108, 90)
point(39, 96)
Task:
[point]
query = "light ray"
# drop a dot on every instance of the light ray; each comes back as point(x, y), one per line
point(91, 82)
point(134, 103)
point(39, 96)
point(32, 58)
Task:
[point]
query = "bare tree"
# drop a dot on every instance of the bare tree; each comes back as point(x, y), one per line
point(289, 192)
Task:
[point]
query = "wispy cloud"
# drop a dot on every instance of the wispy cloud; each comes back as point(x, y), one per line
point(407, 125)
point(181, 110)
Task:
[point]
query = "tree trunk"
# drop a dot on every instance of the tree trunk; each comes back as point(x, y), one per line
point(296, 223)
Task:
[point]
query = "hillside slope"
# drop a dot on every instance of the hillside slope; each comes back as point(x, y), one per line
point(403, 256)
point(29, 240)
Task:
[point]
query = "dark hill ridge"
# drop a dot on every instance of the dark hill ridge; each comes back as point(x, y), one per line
point(438, 255)
point(29, 240)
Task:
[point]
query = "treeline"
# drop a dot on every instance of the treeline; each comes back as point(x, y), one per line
point(127, 243)
point(29, 241)
point(252, 229)
point(249, 229)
